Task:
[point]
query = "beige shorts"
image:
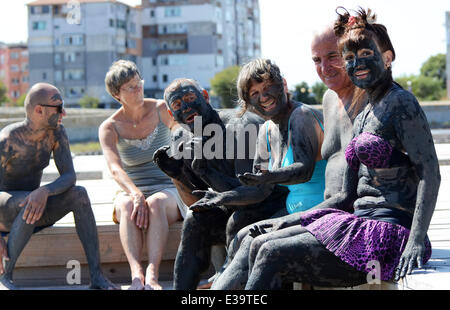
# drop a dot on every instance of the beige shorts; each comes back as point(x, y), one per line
point(172, 191)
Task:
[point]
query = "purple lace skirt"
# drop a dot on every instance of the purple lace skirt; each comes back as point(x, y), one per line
point(357, 241)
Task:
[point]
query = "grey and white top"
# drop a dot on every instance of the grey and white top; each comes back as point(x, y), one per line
point(136, 157)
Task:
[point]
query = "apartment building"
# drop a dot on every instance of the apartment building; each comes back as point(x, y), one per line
point(14, 71)
point(196, 38)
point(73, 43)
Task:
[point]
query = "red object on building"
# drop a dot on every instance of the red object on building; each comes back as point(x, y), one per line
point(14, 71)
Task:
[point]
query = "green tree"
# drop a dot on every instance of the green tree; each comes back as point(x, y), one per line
point(21, 100)
point(318, 90)
point(435, 67)
point(3, 92)
point(223, 85)
point(423, 87)
point(303, 93)
point(89, 102)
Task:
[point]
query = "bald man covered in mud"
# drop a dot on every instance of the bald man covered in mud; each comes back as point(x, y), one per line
point(25, 205)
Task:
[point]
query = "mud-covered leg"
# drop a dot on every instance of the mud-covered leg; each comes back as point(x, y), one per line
point(76, 200)
point(200, 231)
point(299, 258)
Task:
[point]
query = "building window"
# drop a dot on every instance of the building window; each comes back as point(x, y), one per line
point(57, 59)
point(111, 22)
point(164, 60)
point(14, 68)
point(155, 78)
point(69, 57)
point(121, 24)
point(45, 9)
point(58, 76)
point(132, 27)
point(75, 39)
point(44, 75)
point(152, 13)
point(41, 25)
point(165, 78)
point(172, 12)
point(73, 75)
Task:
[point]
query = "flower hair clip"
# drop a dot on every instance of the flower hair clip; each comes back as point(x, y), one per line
point(351, 21)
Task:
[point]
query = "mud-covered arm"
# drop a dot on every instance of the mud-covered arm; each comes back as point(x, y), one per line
point(64, 164)
point(242, 194)
point(218, 174)
point(305, 142)
point(412, 130)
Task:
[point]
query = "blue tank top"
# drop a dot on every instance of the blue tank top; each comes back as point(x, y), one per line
point(302, 196)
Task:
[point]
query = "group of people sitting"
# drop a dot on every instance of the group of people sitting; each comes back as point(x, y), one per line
point(312, 196)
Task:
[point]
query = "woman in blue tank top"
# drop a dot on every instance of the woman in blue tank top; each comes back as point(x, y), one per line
point(288, 153)
point(287, 148)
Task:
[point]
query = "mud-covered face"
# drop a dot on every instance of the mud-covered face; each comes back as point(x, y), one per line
point(187, 102)
point(364, 64)
point(267, 98)
point(54, 110)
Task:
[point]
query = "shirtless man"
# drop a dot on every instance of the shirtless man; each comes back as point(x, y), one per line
point(339, 111)
point(207, 226)
point(25, 205)
point(341, 103)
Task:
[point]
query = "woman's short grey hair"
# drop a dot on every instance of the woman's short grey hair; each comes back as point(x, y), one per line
point(258, 70)
point(120, 72)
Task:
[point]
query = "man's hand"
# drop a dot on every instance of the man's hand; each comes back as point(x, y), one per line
point(209, 200)
point(168, 165)
point(140, 210)
point(3, 254)
point(34, 205)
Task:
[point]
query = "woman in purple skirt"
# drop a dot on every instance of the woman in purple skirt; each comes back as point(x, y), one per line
point(377, 225)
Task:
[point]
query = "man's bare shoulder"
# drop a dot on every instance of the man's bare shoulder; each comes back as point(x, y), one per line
point(11, 131)
point(330, 98)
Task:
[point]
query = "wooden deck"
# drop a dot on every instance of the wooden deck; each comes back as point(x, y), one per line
point(43, 262)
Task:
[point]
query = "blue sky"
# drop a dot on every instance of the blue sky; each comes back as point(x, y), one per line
point(416, 27)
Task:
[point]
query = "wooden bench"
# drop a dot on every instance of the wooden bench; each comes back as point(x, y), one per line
point(44, 259)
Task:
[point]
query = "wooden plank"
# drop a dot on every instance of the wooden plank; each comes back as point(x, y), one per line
point(64, 245)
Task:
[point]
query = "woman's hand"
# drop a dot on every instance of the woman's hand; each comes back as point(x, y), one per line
point(412, 257)
point(140, 210)
point(253, 179)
